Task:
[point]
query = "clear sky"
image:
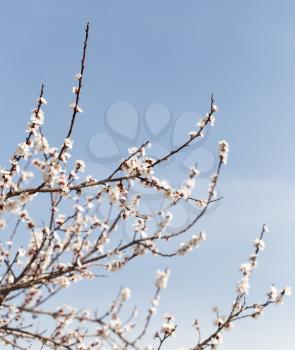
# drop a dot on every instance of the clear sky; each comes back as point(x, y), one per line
point(175, 53)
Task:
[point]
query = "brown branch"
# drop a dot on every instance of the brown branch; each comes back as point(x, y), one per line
point(189, 141)
point(80, 80)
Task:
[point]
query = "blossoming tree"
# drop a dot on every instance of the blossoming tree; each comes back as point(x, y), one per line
point(73, 242)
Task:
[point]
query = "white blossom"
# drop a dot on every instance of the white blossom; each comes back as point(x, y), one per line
point(259, 244)
point(223, 151)
point(125, 294)
point(162, 277)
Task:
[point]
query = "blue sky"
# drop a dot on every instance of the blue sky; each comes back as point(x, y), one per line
point(177, 53)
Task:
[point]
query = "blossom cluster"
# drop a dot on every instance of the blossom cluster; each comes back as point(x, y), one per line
point(75, 235)
point(240, 308)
